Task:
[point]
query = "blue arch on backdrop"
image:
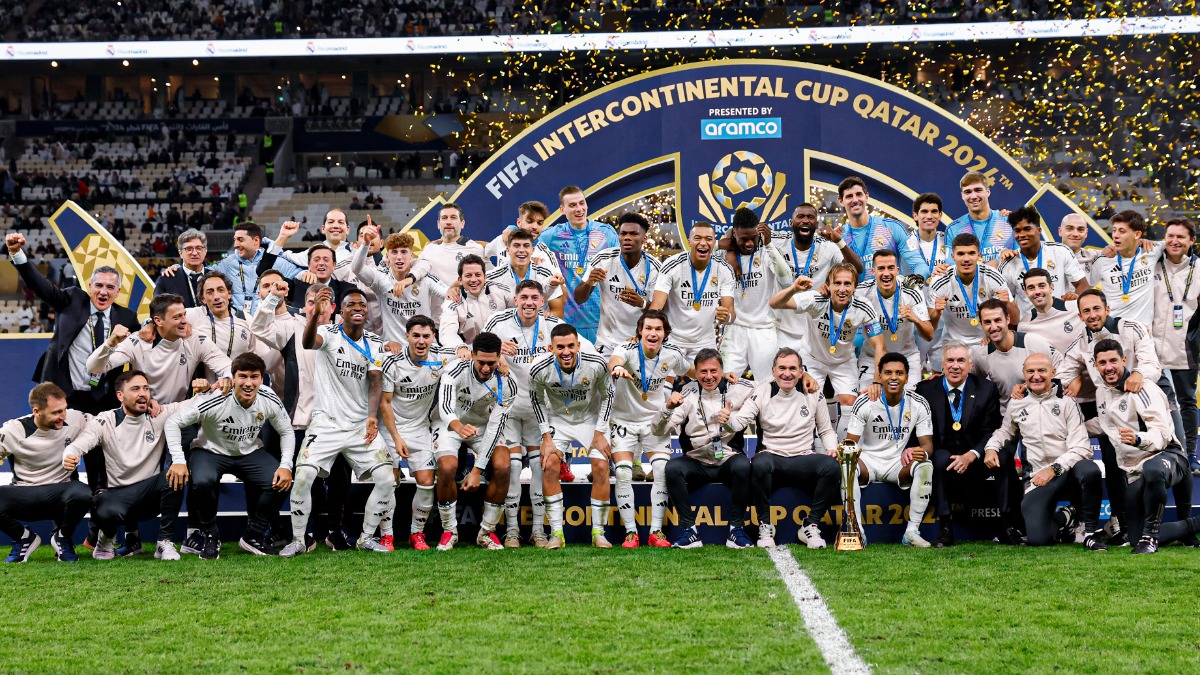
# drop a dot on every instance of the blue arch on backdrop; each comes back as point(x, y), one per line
point(763, 133)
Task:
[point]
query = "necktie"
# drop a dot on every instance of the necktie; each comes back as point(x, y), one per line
point(98, 338)
point(954, 397)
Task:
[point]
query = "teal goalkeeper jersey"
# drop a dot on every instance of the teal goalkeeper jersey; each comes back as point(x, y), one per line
point(572, 249)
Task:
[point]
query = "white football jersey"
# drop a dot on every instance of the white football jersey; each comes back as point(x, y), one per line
point(956, 318)
point(582, 397)
point(1060, 325)
point(227, 428)
point(504, 280)
point(1057, 259)
point(1112, 273)
point(465, 398)
point(413, 385)
point(813, 262)
point(883, 430)
point(904, 338)
point(764, 272)
point(690, 325)
point(420, 298)
point(340, 379)
point(639, 401)
point(823, 322)
point(532, 342)
point(618, 320)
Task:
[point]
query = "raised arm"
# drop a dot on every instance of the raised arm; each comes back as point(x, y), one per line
point(311, 339)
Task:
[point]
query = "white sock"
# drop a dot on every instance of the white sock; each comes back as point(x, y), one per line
point(625, 506)
point(858, 501)
point(301, 500)
point(658, 493)
point(598, 516)
point(512, 502)
point(491, 516)
point(381, 503)
point(449, 513)
point(422, 504)
point(554, 508)
point(919, 493)
point(537, 494)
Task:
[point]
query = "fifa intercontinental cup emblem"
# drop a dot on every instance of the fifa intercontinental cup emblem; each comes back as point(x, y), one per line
point(850, 536)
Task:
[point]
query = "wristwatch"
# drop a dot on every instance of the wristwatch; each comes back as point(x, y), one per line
point(1058, 470)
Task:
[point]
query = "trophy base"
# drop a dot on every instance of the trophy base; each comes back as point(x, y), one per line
point(849, 541)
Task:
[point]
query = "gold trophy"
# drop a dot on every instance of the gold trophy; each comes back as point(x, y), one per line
point(850, 536)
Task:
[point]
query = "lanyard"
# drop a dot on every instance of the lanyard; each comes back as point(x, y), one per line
point(970, 299)
point(861, 250)
point(704, 415)
point(192, 285)
point(933, 251)
point(212, 323)
point(642, 364)
point(532, 345)
point(366, 343)
point(432, 364)
point(517, 279)
point(896, 430)
point(698, 288)
point(812, 247)
point(1127, 280)
point(566, 396)
point(646, 260)
point(1039, 259)
point(498, 392)
point(835, 334)
point(1167, 279)
point(581, 251)
point(745, 277)
point(92, 327)
point(955, 413)
point(987, 233)
point(893, 321)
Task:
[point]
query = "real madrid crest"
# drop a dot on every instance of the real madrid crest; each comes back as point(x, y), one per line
point(1123, 406)
point(259, 417)
point(1050, 264)
point(1055, 410)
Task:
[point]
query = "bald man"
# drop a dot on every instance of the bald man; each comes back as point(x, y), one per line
point(1058, 454)
point(1073, 231)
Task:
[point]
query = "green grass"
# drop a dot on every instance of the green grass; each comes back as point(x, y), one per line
point(977, 608)
point(714, 610)
point(984, 608)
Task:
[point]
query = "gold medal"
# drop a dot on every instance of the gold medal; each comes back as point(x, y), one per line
point(578, 270)
point(832, 349)
point(1125, 298)
point(696, 306)
point(645, 396)
point(974, 321)
point(956, 426)
point(894, 338)
point(378, 363)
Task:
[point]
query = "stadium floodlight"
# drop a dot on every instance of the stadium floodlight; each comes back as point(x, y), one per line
point(599, 42)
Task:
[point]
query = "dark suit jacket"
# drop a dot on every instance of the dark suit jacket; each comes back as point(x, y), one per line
point(73, 306)
point(980, 415)
point(178, 285)
point(297, 289)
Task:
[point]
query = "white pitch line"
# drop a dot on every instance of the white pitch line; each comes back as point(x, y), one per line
point(830, 638)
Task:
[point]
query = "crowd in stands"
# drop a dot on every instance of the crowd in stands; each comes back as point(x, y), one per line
point(62, 20)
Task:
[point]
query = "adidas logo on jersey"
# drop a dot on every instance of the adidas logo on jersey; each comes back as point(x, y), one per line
point(406, 380)
point(878, 418)
point(227, 420)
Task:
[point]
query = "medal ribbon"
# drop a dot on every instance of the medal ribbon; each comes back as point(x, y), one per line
point(698, 290)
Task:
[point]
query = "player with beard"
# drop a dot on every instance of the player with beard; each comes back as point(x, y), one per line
point(644, 372)
point(1146, 448)
point(531, 217)
point(759, 271)
point(348, 390)
point(525, 335)
point(443, 257)
point(1175, 319)
point(989, 226)
point(138, 488)
point(1067, 278)
point(1059, 456)
point(625, 275)
point(476, 395)
point(572, 400)
point(1048, 317)
point(696, 292)
point(410, 386)
point(41, 488)
point(520, 267)
point(883, 436)
point(397, 302)
point(867, 233)
point(465, 318)
point(808, 255)
point(833, 321)
point(903, 315)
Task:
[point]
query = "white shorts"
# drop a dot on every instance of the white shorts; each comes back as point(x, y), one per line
point(637, 439)
point(522, 431)
point(749, 348)
point(566, 434)
point(420, 447)
point(882, 469)
point(322, 444)
point(866, 371)
point(446, 443)
point(843, 376)
point(691, 350)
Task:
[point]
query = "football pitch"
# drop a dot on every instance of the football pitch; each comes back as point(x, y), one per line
point(976, 608)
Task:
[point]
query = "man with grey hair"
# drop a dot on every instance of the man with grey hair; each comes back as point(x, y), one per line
point(184, 280)
point(966, 412)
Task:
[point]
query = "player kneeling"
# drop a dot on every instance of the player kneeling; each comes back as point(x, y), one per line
point(712, 454)
point(881, 427)
point(572, 402)
point(789, 421)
